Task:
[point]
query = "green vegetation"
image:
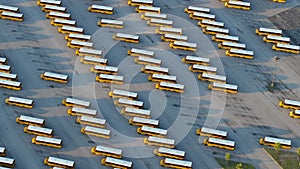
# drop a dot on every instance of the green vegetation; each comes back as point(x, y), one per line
point(227, 157)
point(234, 164)
point(286, 159)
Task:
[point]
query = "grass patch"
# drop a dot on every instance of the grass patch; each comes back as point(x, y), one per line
point(232, 164)
point(286, 159)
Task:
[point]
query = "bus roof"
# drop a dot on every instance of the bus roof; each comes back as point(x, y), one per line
point(287, 46)
point(174, 30)
point(172, 85)
point(214, 131)
point(80, 36)
point(61, 161)
point(234, 44)
point(5, 67)
point(118, 161)
point(40, 129)
point(154, 130)
point(214, 29)
point(129, 36)
point(124, 93)
point(280, 38)
point(188, 44)
point(2, 149)
point(241, 51)
point(213, 76)
point(221, 141)
point(64, 21)
point(59, 8)
point(56, 75)
point(106, 68)
point(198, 9)
point(161, 76)
point(141, 51)
point(297, 112)
point(228, 37)
point(208, 68)
point(109, 150)
point(22, 100)
point(278, 140)
point(196, 58)
point(241, 3)
point(177, 37)
point(2, 59)
point(72, 28)
point(206, 21)
point(97, 130)
point(150, 60)
point(13, 14)
point(10, 83)
point(93, 120)
point(292, 102)
point(51, 2)
point(151, 8)
point(136, 110)
point(95, 59)
point(178, 162)
point(171, 151)
point(6, 160)
point(143, 1)
point(226, 86)
point(112, 21)
point(145, 120)
point(60, 14)
point(204, 15)
point(32, 119)
point(155, 15)
point(10, 8)
point(157, 68)
point(161, 140)
point(78, 102)
point(131, 102)
point(269, 30)
point(90, 51)
point(161, 21)
point(48, 140)
point(81, 43)
point(112, 77)
point(101, 7)
point(84, 110)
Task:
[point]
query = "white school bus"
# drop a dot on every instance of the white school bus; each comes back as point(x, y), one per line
point(174, 163)
point(212, 78)
point(229, 88)
point(142, 9)
point(62, 22)
point(111, 23)
point(203, 69)
point(237, 4)
point(201, 16)
point(228, 45)
point(8, 8)
point(192, 9)
point(170, 153)
point(78, 111)
point(147, 61)
point(47, 141)
point(140, 52)
point(60, 15)
point(12, 16)
point(2, 151)
point(93, 60)
point(276, 39)
point(295, 114)
point(123, 94)
point(139, 121)
point(271, 141)
point(167, 30)
point(28, 120)
point(10, 84)
point(5, 68)
point(79, 44)
point(205, 22)
point(160, 22)
point(72, 102)
point(268, 31)
point(106, 78)
point(128, 103)
point(158, 141)
point(107, 151)
point(214, 30)
point(70, 29)
point(162, 78)
point(135, 112)
point(154, 69)
point(173, 37)
point(196, 60)
point(286, 48)
point(152, 131)
point(101, 9)
point(3, 61)
point(7, 162)
point(88, 52)
point(209, 132)
point(140, 2)
point(117, 163)
point(248, 54)
point(111, 70)
point(183, 45)
point(95, 131)
point(282, 1)
point(39, 131)
point(219, 143)
point(59, 162)
point(61, 78)
point(91, 121)
point(54, 8)
point(150, 15)
point(223, 38)
point(127, 37)
point(77, 37)
point(289, 104)
point(21, 102)
point(48, 2)
point(170, 87)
